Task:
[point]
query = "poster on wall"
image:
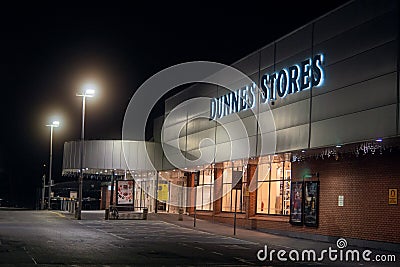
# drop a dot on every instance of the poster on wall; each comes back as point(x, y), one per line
point(162, 191)
point(125, 192)
point(296, 203)
point(73, 194)
point(311, 199)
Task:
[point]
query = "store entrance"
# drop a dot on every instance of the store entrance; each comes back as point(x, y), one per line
point(161, 206)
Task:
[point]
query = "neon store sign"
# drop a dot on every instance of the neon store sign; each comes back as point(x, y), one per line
point(290, 80)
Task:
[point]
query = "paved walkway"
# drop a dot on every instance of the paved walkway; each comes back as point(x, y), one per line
point(245, 234)
point(276, 241)
point(272, 241)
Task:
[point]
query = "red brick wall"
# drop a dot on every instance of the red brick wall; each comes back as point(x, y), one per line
point(364, 182)
point(191, 195)
point(252, 196)
point(218, 188)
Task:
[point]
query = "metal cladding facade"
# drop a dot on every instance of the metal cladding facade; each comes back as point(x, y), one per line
point(111, 154)
point(357, 101)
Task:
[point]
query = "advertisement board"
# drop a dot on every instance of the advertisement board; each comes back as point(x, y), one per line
point(296, 203)
point(162, 192)
point(311, 201)
point(125, 192)
point(73, 194)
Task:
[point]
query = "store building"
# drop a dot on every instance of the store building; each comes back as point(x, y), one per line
point(332, 89)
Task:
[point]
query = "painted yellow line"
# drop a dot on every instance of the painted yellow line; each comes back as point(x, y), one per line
point(59, 214)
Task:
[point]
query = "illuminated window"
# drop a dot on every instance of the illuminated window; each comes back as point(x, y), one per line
point(233, 192)
point(205, 190)
point(273, 191)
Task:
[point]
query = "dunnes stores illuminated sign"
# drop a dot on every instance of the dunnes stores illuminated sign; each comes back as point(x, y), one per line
point(299, 77)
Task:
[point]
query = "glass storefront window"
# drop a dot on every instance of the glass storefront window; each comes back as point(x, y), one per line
point(230, 194)
point(145, 185)
point(171, 189)
point(263, 198)
point(205, 190)
point(273, 191)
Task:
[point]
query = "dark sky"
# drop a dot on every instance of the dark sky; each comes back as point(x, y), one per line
point(48, 50)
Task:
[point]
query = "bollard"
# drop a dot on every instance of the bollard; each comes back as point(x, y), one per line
point(107, 214)
point(75, 209)
point(180, 214)
point(145, 212)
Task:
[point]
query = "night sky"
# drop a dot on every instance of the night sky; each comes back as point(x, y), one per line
point(48, 50)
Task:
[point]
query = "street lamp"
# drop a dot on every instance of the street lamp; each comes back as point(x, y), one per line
point(54, 124)
point(88, 91)
point(43, 188)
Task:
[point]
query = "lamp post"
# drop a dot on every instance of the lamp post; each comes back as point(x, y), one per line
point(54, 124)
point(43, 191)
point(43, 188)
point(88, 91)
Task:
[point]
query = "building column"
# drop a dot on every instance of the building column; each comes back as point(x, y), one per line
point(217, 204)
point(191, 195)
point(251, 197)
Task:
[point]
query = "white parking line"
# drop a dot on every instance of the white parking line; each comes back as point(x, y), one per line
point(117, 236)
point(212, 234)
point(100, 230)
point(244, 261)
point(33, 259)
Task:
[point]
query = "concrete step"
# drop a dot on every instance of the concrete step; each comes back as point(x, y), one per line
point(130, 216)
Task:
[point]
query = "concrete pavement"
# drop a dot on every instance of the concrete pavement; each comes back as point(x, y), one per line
point(54, 238)
point(51, 238)
point(273, 241)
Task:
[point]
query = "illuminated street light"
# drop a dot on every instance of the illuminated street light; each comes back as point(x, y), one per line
point(55, 124)
point(88, 91)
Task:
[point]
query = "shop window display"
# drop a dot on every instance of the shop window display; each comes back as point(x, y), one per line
point(233, 188)
point(205, 190)
point(171, 186)
point(145, 183)
point(273, 191)
point(311, 201)
point(296, 215)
